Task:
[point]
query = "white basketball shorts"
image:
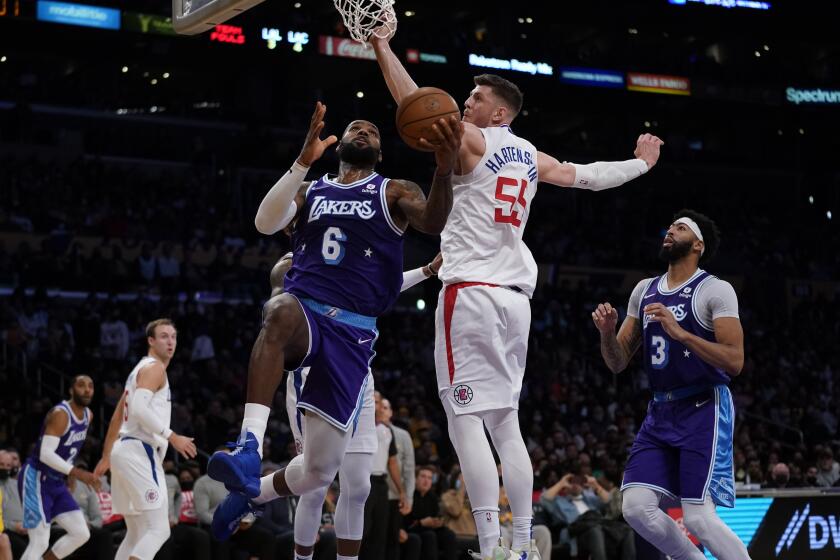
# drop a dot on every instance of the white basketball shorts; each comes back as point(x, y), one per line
point(481, 343)
point(137, 479)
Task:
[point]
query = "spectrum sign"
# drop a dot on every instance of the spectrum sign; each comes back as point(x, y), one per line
point(812, 96)
point(657, 83)
point(78, 14)
point(511, 64)
point(591, 77)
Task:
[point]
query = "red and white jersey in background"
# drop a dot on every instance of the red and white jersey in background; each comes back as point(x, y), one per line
point(482, 240)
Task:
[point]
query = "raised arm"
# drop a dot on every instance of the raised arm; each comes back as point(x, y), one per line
point(601, 174)
point(429, 216)
point(396, 76)
point(281, 203)
point(617, 351)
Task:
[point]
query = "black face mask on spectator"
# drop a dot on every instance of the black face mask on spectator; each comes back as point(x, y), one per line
point(14, 472)
point(187, 485)
point(782, 479)
point(4, 474)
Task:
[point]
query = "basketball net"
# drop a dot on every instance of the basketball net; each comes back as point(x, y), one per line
point(364, 18)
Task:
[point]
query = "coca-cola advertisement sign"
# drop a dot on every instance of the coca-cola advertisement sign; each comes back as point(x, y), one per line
point(348, 48)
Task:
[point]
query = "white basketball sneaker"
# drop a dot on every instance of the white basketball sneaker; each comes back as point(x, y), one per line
point(531, 553)
point(499, 553)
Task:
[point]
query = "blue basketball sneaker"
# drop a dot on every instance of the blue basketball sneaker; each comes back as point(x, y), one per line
point(229, 514)
point(238, 470)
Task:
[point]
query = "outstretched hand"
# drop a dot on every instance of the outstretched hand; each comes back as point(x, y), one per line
point(605, 318)
point(647, 149)
point(446, 143)
point(314, 147)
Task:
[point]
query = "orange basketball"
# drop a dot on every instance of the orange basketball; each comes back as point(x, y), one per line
point(419, 111)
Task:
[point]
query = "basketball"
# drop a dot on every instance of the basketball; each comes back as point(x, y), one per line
point(419, 111)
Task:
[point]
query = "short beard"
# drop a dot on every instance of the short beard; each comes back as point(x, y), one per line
point(675, 252)
point(365, 157)
point(79, 400)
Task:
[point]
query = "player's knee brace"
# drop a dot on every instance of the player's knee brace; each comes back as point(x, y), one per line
point(308, 517)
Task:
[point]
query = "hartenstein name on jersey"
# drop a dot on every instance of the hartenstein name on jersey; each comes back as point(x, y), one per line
point(321, 206)
point(512, 154)
point(678, 310)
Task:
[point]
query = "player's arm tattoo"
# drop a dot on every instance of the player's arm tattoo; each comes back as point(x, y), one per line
point(618, 350)
point(426, 215)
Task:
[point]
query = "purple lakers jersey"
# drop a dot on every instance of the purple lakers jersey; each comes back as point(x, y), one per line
point(347, 249)
point(69, 444)
point(669, 364)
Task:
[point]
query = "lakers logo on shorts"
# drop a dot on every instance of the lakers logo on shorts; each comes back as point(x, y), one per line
point(152, 495)
point(463, 394)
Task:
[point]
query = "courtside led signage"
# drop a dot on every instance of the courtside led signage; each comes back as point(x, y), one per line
point(78, 14)
point(812, 96)
point(591, 77)
point(348, 48)
point(415, 56)
point(228, 34)
point(511, 64)
point(750, 4)
point(657, 83)
point(147, 23)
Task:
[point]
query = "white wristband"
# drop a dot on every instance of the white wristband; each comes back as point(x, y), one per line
point(50, 458)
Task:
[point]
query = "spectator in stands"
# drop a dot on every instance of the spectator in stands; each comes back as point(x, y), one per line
point(12, 509)
point(186, 540)
point(399, 505)
point(576, 503)
point(457, 514)
point(113, 336)
point(426, 520)
point(829, 469)
point(779, 476)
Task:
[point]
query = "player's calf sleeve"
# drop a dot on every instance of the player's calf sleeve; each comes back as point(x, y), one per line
point(640, 507)
point(308, 517)
point(39, 541)
point(704, 523)
point(354, 478)
point(155, 533)
point(77, 533)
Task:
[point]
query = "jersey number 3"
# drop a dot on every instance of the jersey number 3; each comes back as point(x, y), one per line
point(513, 216)
point(659, 354)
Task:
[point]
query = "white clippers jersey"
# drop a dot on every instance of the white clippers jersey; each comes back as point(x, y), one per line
point(482, 240)
point(161, 404)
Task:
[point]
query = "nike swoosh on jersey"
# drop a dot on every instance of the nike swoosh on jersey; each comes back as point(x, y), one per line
point(649, 296)
point(365, 340)
point(701, 403)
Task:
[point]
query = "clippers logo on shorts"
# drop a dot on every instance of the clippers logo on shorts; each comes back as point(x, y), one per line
point(152, 495)
point(463, 395)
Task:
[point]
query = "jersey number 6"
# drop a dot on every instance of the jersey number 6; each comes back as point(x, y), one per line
point(513, 216)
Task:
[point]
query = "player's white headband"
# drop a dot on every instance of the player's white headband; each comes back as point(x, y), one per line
point(692, 225)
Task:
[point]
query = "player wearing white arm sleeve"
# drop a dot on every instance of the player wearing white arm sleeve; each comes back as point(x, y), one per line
point(137, 439)
point(43, 479)
point(483, 315)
